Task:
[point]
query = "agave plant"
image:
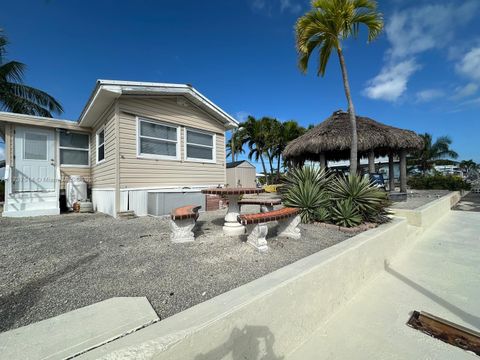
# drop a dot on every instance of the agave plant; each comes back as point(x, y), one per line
point(306, 188)
point(365, 197)
point(345, 213)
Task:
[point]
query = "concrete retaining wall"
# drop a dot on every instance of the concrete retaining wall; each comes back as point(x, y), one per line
point(425, 216)
point(271, 316)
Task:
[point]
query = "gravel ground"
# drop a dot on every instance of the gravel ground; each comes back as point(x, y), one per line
point(51, 265)
point(417, 198)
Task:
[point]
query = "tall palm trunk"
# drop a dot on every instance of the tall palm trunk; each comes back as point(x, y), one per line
point(351, 112)
point(264, 168)
point(278, 167)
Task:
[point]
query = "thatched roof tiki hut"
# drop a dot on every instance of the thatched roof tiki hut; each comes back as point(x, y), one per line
point(331, 140)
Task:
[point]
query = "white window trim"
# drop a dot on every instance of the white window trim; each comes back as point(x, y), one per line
point(214, 146)
point(97, 145)
point(72, 148)
point(153, 156)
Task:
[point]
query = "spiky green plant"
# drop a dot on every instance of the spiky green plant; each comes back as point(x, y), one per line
point(306, 188)
point(365, 197)
point(345, 213)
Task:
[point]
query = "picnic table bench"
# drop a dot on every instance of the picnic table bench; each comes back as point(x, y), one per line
point(182, 222)
point(265, 204)
point(257, 228)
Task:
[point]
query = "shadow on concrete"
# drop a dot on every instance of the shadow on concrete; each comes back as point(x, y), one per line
point(470, 202)
point(14, 305)
point(251, 342)
point(468, 318)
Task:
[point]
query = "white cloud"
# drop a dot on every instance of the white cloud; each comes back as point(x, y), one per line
point(2, 152)
point(419, 29)
point(259, 4)
point(392, 81)
point(429, 95)
point(469, 65)
point(410, 33)
point(465, 91)
point(289, 5)
point(241, 115)
point(268, 6)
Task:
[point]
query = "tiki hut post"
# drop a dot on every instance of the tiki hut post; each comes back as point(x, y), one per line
point(391, 173)
point(403, 171)
point(371, 161)
point(323, 161)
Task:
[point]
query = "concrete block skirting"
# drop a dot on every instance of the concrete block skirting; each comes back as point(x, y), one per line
point(425, 216)
point(271, 316)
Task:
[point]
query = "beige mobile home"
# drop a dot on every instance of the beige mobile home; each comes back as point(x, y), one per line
point(137, 145)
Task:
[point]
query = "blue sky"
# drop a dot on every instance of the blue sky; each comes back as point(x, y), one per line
point(422, 74)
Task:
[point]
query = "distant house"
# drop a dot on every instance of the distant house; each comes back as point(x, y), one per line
point(241, 173)
point(132, 139)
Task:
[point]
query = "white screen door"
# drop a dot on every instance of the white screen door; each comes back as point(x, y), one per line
point(34, 160)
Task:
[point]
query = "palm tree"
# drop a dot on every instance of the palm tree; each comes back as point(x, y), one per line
point(256, 136)
point(237, 142)
point(323, 29)
point(438, 150)
point(288, 131)
point(468, 165)
point(17, 97)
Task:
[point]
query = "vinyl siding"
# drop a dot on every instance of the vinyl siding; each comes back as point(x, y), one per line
point(140, 172)
point(103, 174)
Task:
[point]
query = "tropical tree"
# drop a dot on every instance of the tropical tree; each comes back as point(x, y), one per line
point(266, 138)
point(235, 145)
point(256, 135)
point(17, 97)
point(287, 131)
point(468, 165)
point(425, 158)
point(323, 29)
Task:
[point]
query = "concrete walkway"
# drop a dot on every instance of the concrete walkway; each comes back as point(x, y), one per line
point(68, 335)
point(439, 275)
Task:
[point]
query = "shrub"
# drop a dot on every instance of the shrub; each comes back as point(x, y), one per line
point(345, 213)
point(345, 201)
point(438, 182)
point(306, 188)
point(365, 197)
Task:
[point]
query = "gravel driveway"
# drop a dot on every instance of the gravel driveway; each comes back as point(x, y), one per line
point(51, 265)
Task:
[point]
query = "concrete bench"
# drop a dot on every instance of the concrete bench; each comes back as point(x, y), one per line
point(182, 221)
point(257, 229)
point(265, 204)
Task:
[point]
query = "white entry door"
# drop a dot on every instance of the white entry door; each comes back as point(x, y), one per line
point(34, 160)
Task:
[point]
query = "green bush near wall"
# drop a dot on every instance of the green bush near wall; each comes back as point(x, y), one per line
point(438, 182)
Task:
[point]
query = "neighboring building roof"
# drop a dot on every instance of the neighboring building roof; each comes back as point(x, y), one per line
point(235, 164)
point(333, 138)
point(106, 91)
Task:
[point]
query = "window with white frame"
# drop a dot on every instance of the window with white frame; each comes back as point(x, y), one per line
point(74, 149)
point(157, 140)
point(100, 145)
point(199, 146)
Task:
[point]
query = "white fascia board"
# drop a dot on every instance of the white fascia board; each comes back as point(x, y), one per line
point(101, 99)
point(111, 89)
